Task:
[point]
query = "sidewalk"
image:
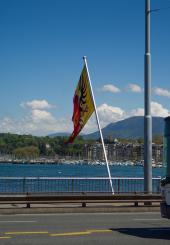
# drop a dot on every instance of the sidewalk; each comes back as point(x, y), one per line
point(75, 208)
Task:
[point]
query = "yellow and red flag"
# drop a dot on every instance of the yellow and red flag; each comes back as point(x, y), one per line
point(83, 104)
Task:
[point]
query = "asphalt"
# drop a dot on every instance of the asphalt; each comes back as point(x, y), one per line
point(85, 228)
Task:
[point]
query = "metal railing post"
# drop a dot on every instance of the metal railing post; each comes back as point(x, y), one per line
point(23, 186)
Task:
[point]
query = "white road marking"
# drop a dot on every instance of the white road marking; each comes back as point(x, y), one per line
point(148, 219)
point(18, 221)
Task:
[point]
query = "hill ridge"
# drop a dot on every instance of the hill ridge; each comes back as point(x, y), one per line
point(132, 128)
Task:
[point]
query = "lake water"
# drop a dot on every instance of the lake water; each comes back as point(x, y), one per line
point(70, 170)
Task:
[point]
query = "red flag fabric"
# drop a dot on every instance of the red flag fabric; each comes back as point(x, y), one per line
point(83, 104)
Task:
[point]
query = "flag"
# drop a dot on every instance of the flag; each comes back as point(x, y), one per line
point(83, 104)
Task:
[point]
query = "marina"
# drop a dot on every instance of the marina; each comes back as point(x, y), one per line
point(48, 160)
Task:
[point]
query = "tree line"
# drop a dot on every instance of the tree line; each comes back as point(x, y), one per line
point(28, 146)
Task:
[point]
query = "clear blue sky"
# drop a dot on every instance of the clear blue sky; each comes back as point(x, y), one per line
point(41, 47)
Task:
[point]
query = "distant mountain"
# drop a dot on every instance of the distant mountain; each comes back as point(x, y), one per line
point(130, 128)
point(58, 134)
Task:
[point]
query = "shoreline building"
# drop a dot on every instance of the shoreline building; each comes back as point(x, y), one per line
point(117, 151)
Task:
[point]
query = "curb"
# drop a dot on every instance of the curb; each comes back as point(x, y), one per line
point(45, 210)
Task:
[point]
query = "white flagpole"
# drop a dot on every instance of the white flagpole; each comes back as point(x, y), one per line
point(98, 123)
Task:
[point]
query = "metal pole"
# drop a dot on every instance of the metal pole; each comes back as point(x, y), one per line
point(147, 116)
point(98, 123)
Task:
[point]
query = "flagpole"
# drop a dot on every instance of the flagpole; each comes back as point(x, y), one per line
point(147, 116)
point(98, 123)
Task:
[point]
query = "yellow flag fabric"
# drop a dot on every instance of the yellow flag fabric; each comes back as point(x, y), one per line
point(83, 104)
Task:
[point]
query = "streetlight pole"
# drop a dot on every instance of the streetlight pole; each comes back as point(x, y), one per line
point(147, 116)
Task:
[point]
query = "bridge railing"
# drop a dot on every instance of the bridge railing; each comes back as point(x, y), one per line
point(74, 184)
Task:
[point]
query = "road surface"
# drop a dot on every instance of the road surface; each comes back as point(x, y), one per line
point(93, 229)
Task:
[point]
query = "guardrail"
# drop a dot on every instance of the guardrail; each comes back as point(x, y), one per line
point(74, 184)
point(82, 198)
